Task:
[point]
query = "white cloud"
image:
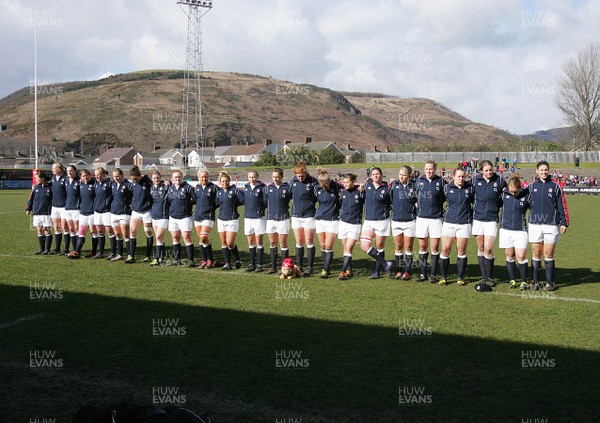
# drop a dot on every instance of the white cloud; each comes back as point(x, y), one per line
point(493, 61)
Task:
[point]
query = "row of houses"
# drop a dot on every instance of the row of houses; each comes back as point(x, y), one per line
point(237, 155)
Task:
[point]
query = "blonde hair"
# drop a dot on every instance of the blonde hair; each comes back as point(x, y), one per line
point(515, 180)
point(323, 177)
point(224, 175)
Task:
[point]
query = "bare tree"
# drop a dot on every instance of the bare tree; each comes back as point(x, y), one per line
point(578, 94)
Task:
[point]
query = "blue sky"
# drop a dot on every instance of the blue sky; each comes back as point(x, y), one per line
point(493, 61)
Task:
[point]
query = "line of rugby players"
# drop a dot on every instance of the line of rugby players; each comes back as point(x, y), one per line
point(408, 208)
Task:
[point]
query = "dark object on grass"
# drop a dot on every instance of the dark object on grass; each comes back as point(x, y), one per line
point(128, 413)
point(483, 287)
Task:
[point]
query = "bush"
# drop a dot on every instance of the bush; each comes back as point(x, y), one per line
point(358, 157)
point(266, 158)
point(330, 156)
point(291, 156)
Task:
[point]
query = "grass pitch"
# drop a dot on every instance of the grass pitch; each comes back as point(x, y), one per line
point(246, 347)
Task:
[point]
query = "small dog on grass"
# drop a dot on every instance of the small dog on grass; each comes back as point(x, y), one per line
point(289, 270)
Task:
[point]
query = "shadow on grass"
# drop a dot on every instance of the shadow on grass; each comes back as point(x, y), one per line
point(364, 266)
point(223, 364)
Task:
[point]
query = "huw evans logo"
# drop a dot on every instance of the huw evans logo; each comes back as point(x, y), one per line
point(45, 86)
point(536, 359)
point(413, 327)
point(163, 395)
point(537, 86)
point(414, 54)
point(288, 420)
point(533, 420)
point(41, 420)
point(544, 295)
point(168, 327)
point(413, 395)
point(165, 122)
point(291, 18)
point(38, 17)
point(290, 359)
point(44, 291)
point(537, 17)
point(413, 123)
point(290, 290)
point(290, 86)
point(44, 359)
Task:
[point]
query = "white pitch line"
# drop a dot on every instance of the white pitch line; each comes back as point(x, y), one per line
point(549, 297)
point(20, 320)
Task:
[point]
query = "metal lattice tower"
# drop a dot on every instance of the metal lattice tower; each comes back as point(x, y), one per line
point(191, 105)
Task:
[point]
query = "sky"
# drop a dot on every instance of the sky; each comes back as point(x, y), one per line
point(493, 61)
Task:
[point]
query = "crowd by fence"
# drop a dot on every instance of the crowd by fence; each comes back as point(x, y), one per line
point(556, 157)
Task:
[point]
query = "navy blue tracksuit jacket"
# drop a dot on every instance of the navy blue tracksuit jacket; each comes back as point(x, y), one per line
point(548, 204)
point(181, 200)
point(404, 200)
point(430, 197)
point(255, 200)
point(228, 202)
point(351, 207)
point(488, 197)
point(303, 194)
point(73, 188)
point(59, 190)
point(514, 210)
point(459, 201)
point(141, 200)
point(87, 194)
point(40, 200)
point(278, 201)
point(160, 201)
point(121, 203)
point(206, 204)
point(329, 202)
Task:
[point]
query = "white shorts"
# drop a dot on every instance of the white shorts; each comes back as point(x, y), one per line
point(304, 222)
point(118, 219)
point(406, 228)
point(381, 227)
point(281, 227)
point(548, 234)
point(72, 215)
point(145, 217)
point(455, 230)
point(255, 226)
point(161, 223)
point(207, 223)
point(330, 226)
point(228, 225)
point(183, 225)
point(431, 228)
point(484, 228)
point(42, 220)
point(58, 213)
point(102, 219)
point(86, 220)
point(510, 239)
point(349, 230)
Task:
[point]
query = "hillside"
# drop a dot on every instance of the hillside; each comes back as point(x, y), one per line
point(143, 109)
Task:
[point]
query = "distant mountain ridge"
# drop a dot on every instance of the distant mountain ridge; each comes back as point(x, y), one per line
point(143, 109)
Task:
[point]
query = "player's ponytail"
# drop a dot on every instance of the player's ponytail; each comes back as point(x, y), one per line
point(324, 178)
point(134, 171)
